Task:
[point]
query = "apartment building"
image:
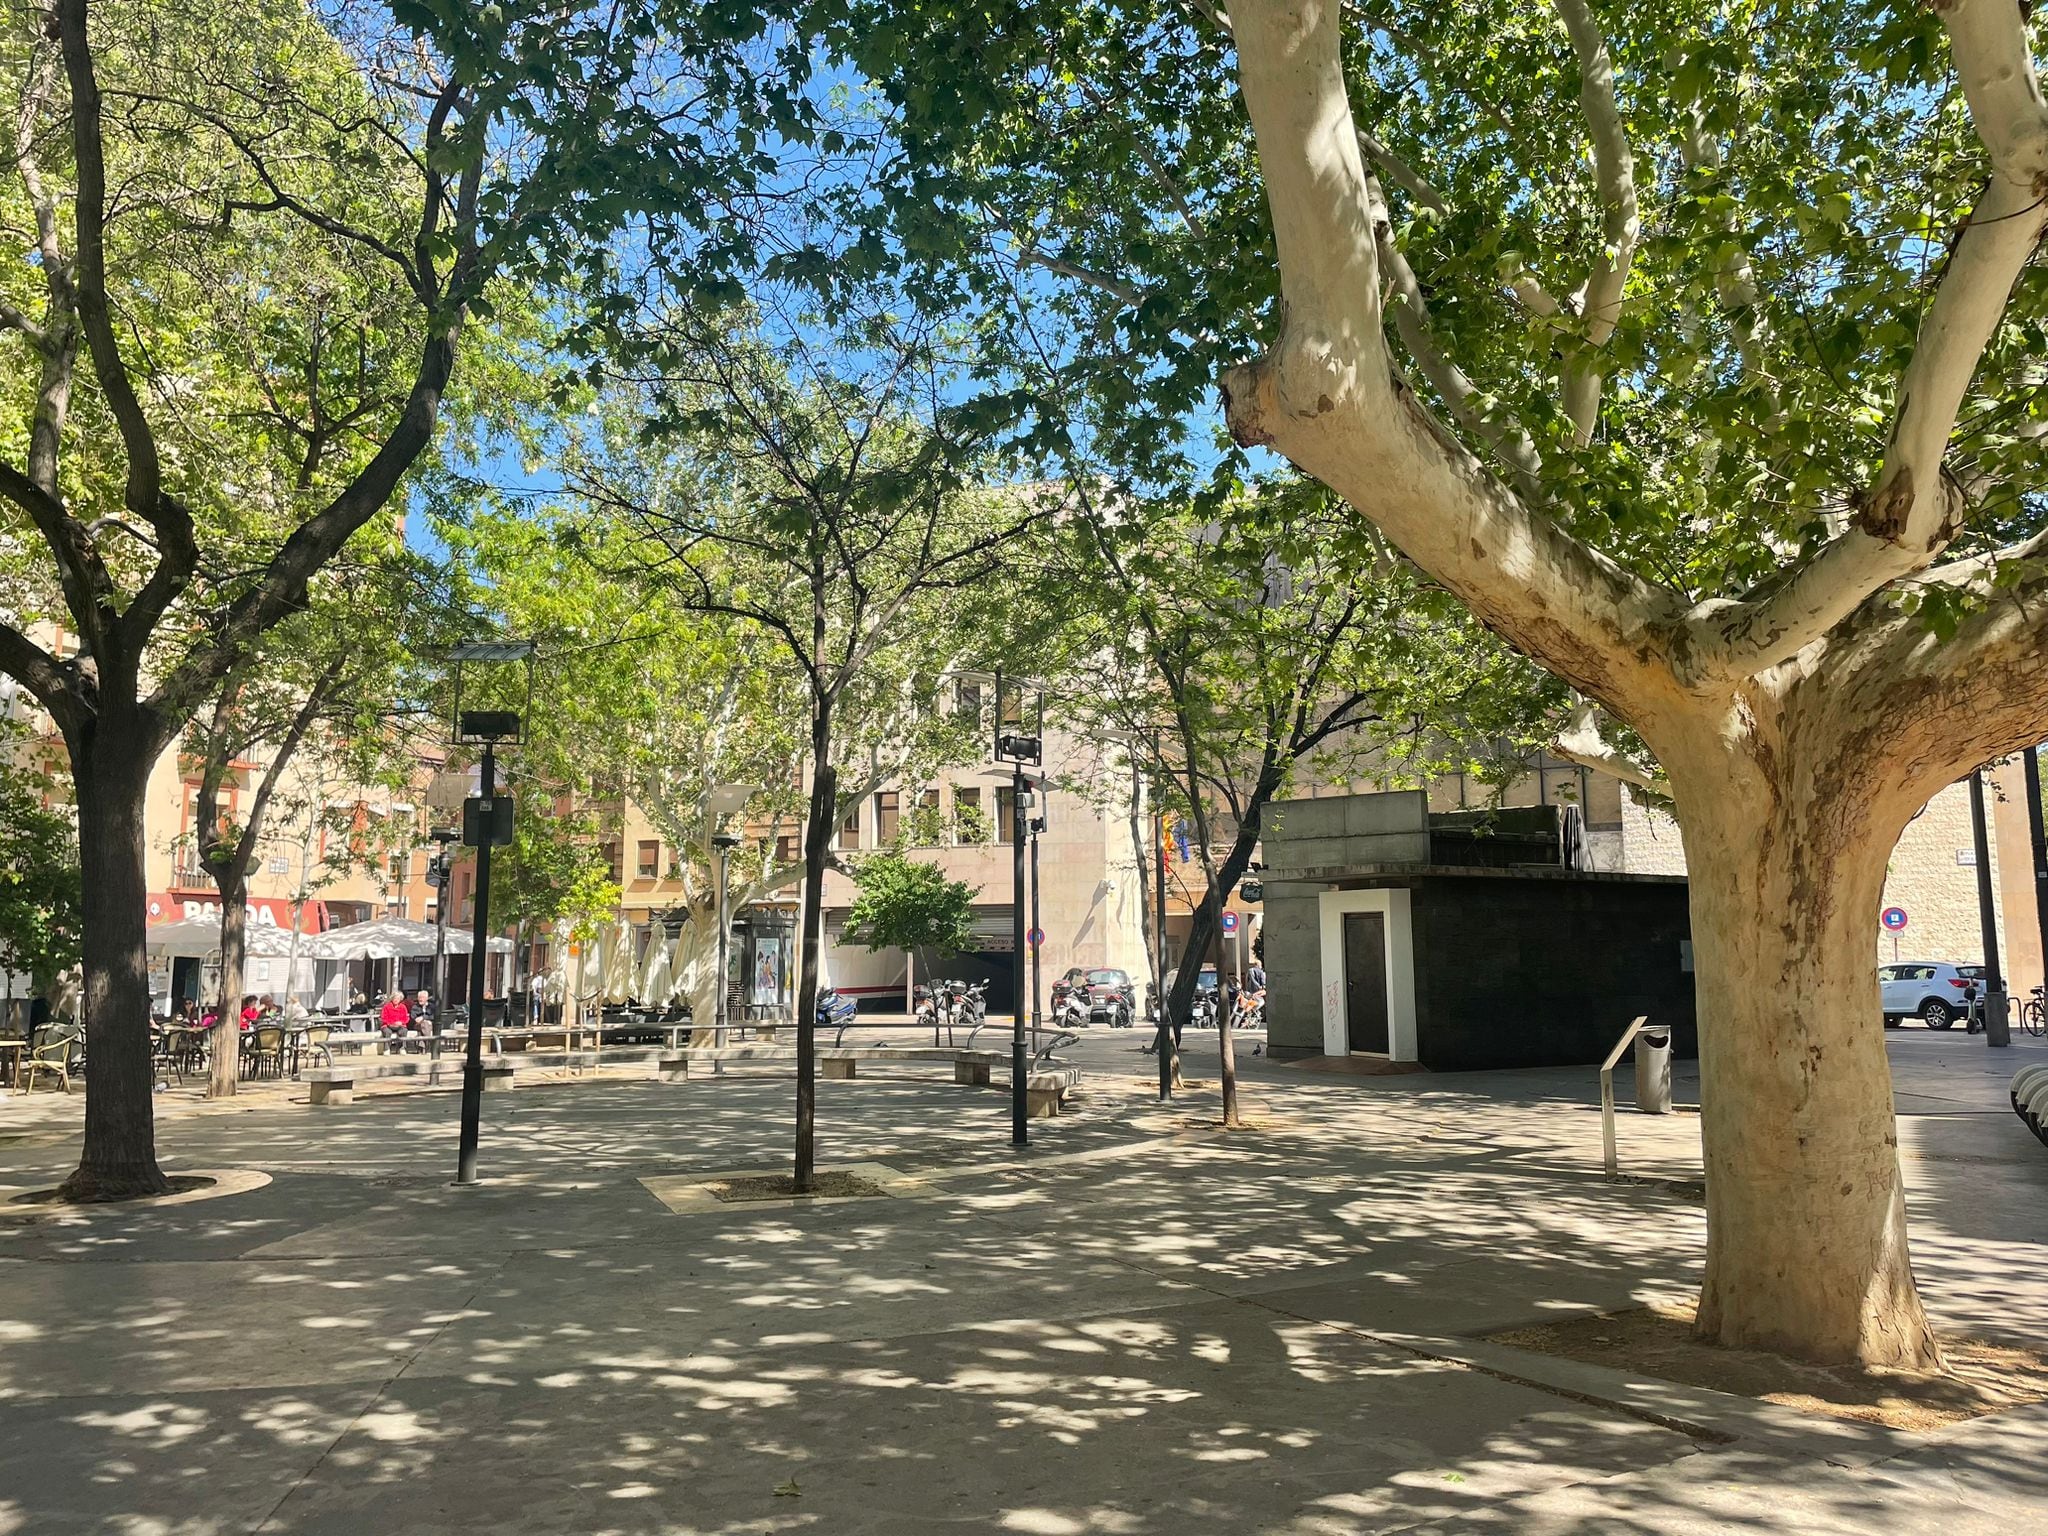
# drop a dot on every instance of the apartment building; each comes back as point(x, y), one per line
point(334, 852)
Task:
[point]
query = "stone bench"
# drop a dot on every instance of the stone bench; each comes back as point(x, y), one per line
point(970, 1067)
point(1046, 1089)
point(336, 1084)
point(840, 1062)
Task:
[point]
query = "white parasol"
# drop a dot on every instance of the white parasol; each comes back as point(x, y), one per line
point(618, 962)
point(657, 979)
point(198, 937)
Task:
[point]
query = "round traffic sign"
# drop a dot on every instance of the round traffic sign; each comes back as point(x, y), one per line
point(1893, 918)
point(1035, 937)
point(1230, 922)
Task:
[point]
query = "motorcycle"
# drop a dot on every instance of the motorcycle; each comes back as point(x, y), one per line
point(834, 1010)
point(1202, 1015)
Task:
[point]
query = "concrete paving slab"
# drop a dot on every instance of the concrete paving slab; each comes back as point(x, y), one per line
point(1138, 1325)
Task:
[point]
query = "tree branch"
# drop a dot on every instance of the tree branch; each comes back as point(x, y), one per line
point(1615, 176)
point(90, 215)
point(1326, 396)
point(1916, 508)
point(1579, 741)
point(1509, 442)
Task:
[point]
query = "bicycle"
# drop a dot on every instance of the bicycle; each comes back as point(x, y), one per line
point(2034, 1014)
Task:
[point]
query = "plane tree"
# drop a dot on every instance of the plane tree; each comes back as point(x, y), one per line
point(1694, 348)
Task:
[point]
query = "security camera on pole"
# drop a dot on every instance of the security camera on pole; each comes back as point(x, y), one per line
point(486, 824)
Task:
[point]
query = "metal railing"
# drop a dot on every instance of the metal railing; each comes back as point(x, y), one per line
point(1607, 1091)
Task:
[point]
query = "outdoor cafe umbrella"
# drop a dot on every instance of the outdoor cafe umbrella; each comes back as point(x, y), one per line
point(618, 962)
point(199, 937)
point(657, 979)
point(398, 938)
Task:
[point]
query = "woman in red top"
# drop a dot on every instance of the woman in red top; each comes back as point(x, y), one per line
point(250, 1012)
point(395, 1018)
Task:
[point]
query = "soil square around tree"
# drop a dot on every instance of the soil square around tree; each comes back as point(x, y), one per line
point(830, 1184)
point(1657, 1340)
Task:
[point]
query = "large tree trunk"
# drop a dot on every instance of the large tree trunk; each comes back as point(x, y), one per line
point(224, 1065)
point(1806, 1218)
point(818, 829)
point(110, 769)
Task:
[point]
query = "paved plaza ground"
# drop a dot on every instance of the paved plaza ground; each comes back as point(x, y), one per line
point(1139, 1326)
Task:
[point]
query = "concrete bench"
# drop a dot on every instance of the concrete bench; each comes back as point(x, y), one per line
point(336, 1084)
point(1046, 1089)
point(971, 1067)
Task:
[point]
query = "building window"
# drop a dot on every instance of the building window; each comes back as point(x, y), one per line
point(785, 848)
point(885, 817)
point(650, 859)
point(610, 854)
point(970, 699)
point(849, 829)
point(927, 827)
point(1006, 814)
point(970, 822)
point(401, 867)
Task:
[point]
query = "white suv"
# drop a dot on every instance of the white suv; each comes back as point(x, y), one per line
point(1937, 992)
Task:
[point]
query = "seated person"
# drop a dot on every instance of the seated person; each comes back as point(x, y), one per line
point(250, 1011)
point(395, 1019)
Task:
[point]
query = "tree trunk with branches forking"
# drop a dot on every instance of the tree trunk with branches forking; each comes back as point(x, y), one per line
point(1798, 725)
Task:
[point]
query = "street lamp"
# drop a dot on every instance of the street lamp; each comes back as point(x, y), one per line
point(1019, 740)
point(437, 877)
point(724, 800)
point(486, 824)
point(1164, 1042)
point(1037, 826)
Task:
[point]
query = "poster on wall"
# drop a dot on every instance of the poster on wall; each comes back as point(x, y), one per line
point(767, 971)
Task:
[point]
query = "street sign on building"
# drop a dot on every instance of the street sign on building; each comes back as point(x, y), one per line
point(1230, 922)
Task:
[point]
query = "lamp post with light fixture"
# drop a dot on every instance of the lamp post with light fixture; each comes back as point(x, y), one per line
point(723, 801)
point(1019, 740)
point(486, 824)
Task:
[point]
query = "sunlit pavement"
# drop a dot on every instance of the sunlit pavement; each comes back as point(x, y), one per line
point(1138, 1325)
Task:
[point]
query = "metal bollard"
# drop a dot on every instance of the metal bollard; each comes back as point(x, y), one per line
point(1653, 1071)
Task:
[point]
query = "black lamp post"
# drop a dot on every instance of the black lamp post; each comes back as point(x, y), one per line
point(486, 824)
point(1997, 1028)
point(437, 877)
point(1019, 741)
point(724, 842)
point(1037, 935)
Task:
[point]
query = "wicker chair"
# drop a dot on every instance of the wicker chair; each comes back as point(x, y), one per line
point(265, 1045)
point(52, 1056)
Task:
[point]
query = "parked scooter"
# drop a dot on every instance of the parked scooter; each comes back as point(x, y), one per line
point(834, 1011)
point(970, 1002)
point(1069, 1007)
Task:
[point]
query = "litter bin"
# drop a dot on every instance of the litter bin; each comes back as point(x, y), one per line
point(1653, 1071)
